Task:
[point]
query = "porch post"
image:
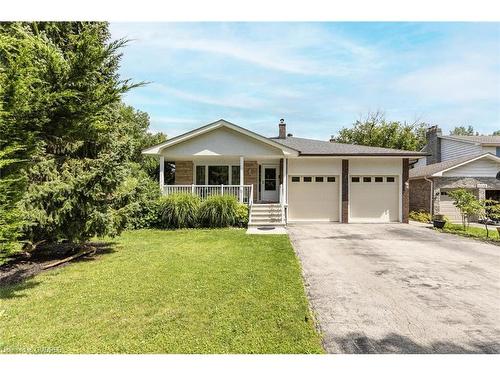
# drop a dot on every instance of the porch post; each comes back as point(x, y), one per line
point(241, 179)
point(162, 172)
point(285, 181)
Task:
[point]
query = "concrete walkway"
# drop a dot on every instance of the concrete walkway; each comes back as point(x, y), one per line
point(400, 288)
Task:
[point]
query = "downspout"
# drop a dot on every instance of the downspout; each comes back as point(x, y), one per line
point(431, 202)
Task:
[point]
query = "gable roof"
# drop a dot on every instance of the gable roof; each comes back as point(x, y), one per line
point(290, 145)
point(493, 140)
point(437, 169)
point(313, 147)
point(155, 150)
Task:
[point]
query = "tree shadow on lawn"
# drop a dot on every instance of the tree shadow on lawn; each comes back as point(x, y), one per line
point(14, 275)
point(393, 343)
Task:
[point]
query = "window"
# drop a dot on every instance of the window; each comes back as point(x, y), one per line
point(269, 179)
point(218, 174)
point(200, 175)
point(367, 179)
point(354, 179)
point(295, 179)
point(444, 193)
point(389, 179)
point(498, 151)
point(307, 179)
point(318, 179)
point(235, 175)
point(379, 179)
point(330, 179)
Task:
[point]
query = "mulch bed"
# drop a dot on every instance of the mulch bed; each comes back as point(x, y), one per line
point(24, 266)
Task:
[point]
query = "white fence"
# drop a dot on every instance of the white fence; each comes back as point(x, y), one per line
point(243, 193)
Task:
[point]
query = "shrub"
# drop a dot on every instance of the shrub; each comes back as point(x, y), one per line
point(422, 216)
point(218, 211)
point(242, 215)
point(179, 210)
point(138, 200)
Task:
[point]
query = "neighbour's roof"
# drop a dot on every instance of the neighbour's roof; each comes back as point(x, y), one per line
point(315, 147)
point(483, 139)
point(432, 169)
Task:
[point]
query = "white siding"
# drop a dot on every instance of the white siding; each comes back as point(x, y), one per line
point(479, 168)
point(490, 149)
point(313, 166)
point(221, 142)
point(451, 149)
point(372, 166)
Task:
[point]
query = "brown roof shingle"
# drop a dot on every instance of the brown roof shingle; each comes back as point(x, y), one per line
point(315, 147)
point(483, 139)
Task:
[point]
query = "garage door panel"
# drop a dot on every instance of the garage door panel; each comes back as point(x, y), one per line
point(313, 200)
point(447, 208)
point(374, 201)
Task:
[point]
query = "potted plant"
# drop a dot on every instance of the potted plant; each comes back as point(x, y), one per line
point(438, 221)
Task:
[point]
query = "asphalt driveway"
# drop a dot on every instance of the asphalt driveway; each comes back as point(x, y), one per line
point(400, 288)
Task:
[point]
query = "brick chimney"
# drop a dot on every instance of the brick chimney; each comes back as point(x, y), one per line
point(282, 129)
point(433, 144)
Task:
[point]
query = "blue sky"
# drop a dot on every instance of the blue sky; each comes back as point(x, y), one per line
point(320, 77)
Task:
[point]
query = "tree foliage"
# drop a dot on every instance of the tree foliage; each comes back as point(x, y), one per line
point(462, 130)
point(467, 204)
point(11, 219)
point(60, 101)
point(375, 130)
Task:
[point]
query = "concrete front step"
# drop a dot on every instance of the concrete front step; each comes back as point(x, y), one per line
point(266, 215)
point(260, 214)
point(253, 225)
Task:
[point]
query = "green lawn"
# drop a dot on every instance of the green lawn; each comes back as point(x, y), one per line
point(472, 231)
point(188, 291)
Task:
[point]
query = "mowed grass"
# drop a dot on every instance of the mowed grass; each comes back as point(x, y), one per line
point(188, 291)
point(472, 231)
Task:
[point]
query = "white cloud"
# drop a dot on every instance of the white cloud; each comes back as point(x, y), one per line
point(232, 101)
point(298, 49)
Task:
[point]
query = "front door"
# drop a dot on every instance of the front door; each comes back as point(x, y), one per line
point(269, 183)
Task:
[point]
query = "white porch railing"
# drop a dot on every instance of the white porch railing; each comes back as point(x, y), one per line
point(243, 193)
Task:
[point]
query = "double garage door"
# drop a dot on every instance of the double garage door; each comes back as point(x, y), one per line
point(317, 198)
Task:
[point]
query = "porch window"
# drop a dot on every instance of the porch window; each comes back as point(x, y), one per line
point(200, 175)
point(235, 175)
point(218, 174)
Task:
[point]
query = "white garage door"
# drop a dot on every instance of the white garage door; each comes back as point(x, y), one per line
point(374, 198)
point(447, 208)
point(313, 198)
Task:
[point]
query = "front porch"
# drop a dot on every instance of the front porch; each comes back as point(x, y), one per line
point(249, 181)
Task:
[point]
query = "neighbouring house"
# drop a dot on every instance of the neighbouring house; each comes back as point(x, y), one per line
point(453, 162)
point(289, 179)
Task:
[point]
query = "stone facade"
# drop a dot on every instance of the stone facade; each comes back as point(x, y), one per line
point(184, 172)
point(251, 176)
point(420, 190)
point(485, 183)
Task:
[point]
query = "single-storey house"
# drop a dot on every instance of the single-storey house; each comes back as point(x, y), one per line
point(289, 179)
point(454, 162)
